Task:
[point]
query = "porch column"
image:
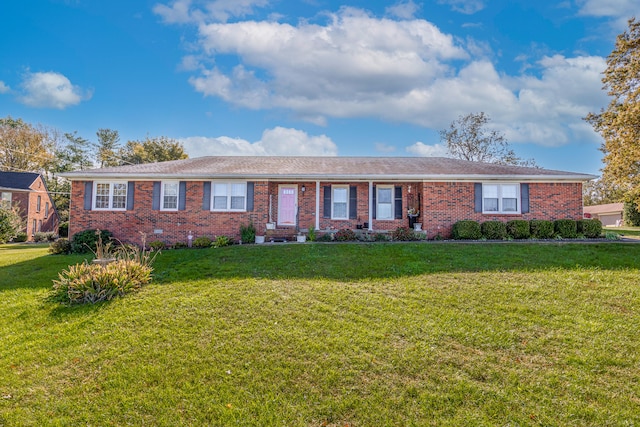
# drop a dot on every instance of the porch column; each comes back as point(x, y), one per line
point(317, 205)
point(370, 205)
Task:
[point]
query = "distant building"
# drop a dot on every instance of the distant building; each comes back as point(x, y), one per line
point(28, 193)
point(609, 214)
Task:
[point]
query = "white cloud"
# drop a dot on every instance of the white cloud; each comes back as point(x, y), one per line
point(278, 141)
point(408, 71)
point(424, 150)
point(468, 7)
point(4, 88)
point(403, 9)
point(51, 90)
point(184, 11)
point(619, 10)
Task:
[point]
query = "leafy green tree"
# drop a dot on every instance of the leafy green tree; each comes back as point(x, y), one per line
point(108, 144)
point(619, 123)
point(468, 138)
point(601, 191)
point(75, 154)
point(10, 224)
point(152, 150)
point(631, 214)
point(23, 147)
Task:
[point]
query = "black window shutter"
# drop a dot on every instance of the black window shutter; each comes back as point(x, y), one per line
point(353, 202)
point(477, 197)
point(250, 191)
point(182, 195)
point(155, 201)
point(398, 202)
point(206, 196)
point(326, 212)
point(131, 188)
point(524, 197)
point(375, 205)
point(88, 195)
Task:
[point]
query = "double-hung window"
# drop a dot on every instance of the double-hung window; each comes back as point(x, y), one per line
point(169, 196)
point(501, 198)
point(110, 196)
point(229, 196)
point(384, 201)
point(340, 202)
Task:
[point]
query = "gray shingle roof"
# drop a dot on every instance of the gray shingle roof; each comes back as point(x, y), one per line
point(325, 168)
point(17, 180)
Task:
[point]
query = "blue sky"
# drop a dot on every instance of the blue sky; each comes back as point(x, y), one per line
point(314, 77)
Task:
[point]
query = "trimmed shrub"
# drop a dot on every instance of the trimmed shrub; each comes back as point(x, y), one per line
point(91, 283)
point(179, 245)
point(590, 228)
point(566, 228)
point(327, 237)
point(494, 230)
point(201, 242)
point(403, 234)
point(466, 230)
point(45, 236)
point(222, 241)
point(345, 235)
point(631, 214)
point(86, 241)
point(380, 237)
point(248, 233)
point(20, 237)
point(157, 245)
point(518, 229)
point(541, 228)
point(60, 246)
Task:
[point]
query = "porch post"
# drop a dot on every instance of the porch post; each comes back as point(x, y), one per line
point(317, 205)
point(370, 205)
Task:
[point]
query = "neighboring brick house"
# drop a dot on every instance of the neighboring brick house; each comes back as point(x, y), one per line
point(28, 193)
point(609, 214)
point(216, 195)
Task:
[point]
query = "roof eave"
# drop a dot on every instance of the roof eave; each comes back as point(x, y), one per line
point(75, 176)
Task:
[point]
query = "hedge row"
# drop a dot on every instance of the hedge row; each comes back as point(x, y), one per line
point(522, 229)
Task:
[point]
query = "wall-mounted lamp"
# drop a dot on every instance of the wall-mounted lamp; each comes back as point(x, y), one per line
point(303, 189)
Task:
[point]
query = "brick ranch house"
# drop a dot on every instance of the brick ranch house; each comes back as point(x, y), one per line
point(211, 196)
point(28, 193)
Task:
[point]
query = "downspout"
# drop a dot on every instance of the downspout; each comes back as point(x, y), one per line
point(317, 205)
point(370, 205)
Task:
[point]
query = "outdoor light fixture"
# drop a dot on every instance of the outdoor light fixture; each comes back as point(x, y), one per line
point(303, 188)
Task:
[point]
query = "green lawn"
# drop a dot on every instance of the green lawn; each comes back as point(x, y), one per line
point(417, 334)
point(625, 231)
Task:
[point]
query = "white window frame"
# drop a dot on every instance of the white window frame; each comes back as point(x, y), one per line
point(162, 195)
point(229, 195)
point(333, 201)
point(500, 186)
point(391, 202)
point(6, 198)
point(111, 185)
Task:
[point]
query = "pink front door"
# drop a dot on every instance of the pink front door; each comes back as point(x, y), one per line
point(287, 205)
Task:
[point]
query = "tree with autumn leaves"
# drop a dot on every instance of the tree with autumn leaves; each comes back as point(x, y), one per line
point(619, 123)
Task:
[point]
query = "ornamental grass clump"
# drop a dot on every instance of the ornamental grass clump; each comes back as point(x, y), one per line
point(128, 270)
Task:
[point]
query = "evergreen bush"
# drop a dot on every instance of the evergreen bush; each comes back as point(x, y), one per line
point(201, 242)
point(61, 246)
point(590, 228)
point(566, 228)
point(466, 230)
point(86, 241)
point(494, 230)
point(518, 229)
point(541, 228)
point(631, 214)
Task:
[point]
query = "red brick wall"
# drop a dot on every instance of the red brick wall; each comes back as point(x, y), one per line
point(445, 203)
point(442, 204)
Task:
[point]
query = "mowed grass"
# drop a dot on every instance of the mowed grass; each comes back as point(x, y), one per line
point(332, 335)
